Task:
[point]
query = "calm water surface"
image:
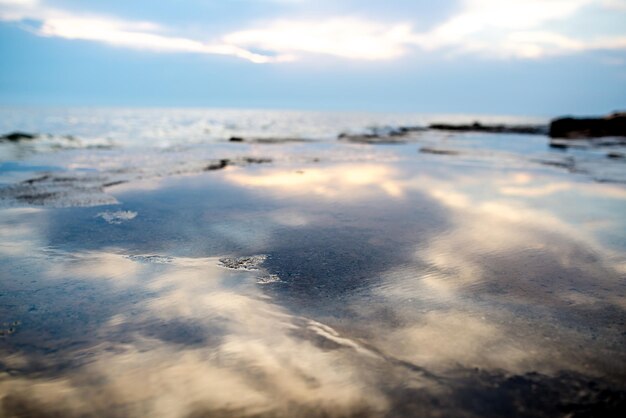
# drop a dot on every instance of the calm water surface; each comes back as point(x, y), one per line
point(149, 267)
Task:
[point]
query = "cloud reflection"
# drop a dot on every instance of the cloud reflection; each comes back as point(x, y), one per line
point(256, 358)
point(344, 181)
point(192, 338)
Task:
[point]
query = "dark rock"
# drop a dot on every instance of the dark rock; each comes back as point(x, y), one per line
point(243, 263)
point(225, 162)
point(371, 139)
point(573, 128)
point(217, 165)
point(348, 137)
point(500, 129)
point(37, 179)
point(381, 135)
point(616, 155)
point(403, 130)
point(568, 163)
point(253, 160)
point(36, 198)
point(17, 136)
point(275, 140)
point(265, 140)
point(559, 145)
point(114, 183)
point(435, 151)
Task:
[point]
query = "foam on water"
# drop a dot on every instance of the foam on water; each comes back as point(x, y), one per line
point(78, 127)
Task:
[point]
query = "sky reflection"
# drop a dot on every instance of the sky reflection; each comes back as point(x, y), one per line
point(408, 286)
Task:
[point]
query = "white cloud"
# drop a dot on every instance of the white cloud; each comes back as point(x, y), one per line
point(18, 2)
point(11, 10)
point(493, 28)
point(135, 35)
point(514, 28)
point(117, 32)
point(614, 4)
point(342, 37)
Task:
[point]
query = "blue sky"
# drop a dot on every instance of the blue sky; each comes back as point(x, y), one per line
point(529, 57)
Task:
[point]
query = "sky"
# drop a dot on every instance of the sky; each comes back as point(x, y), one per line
point(523, 57)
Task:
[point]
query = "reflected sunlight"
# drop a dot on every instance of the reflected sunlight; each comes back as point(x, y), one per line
point(346, 181)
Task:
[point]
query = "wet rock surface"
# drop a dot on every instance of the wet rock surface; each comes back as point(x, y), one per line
point(616, 155)
point(17, 136)
point(151, 259)
point(225, 162)
point(564, 395)
point(372, 139)
point(447, 275)
point(500, 129)
point(243, 263)
point(382, 135)
point(59, 190)
point(576, 128)
point(67, 189)
point(269, 140)
point(436, 151)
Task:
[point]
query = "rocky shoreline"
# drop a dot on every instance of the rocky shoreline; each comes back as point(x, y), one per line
point(584, 128)
point(561, 128)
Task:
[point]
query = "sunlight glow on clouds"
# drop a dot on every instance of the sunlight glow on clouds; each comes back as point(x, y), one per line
point(341, 37)
point(491, 28)
point(513, 28)
point(615, 4)
point(131, 34)
point(123, 34)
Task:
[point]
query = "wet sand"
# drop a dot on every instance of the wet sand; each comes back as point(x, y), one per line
point(447, 274)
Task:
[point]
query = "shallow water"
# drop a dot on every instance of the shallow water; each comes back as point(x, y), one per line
point(316, 278)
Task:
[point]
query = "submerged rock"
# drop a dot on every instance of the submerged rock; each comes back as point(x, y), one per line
point(243, 263)
point(427, 150)
point(559, 144)
point(225, 162)
point(371, 139)
point(80, 188)
point(500, 129)
point(151, 259)
point(574, 128)
point(268, 279)
point(266, 140)
point(385, 135)
point(17, 136)
point(568, 163)
point(117, 217)
point(217, 165)
point(77, 189)
point(256, 160)
point(585, 143)
point(404, 130)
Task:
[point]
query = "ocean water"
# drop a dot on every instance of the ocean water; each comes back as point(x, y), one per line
point(175, 127)
point(151, 267)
